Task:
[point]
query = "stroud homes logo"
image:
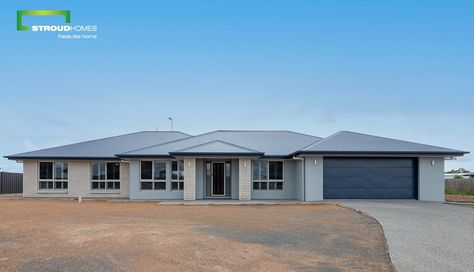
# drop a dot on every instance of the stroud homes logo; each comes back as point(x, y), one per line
point(66, 31)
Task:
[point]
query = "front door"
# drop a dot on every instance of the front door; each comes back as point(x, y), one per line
point(218, 179)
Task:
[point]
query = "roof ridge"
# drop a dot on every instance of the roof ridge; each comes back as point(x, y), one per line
point(263, 130)
point(213, 141)
point(323, 140)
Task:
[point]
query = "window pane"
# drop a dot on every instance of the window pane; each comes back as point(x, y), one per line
point(65, 170)
point(271, 186)
point(101, 185)
point(147, 185)
point(50, 185)
point(58, 185)
point(174, 185)
point(279, 185)
point(95, 185)
point(146, 169)
point(60, 170)
point(181, 170)
point(117, 185)
point(263, 185)
point(181, 185)
point(227, 169)
point(43, 185)
point(110, 185)
point(259, 170)
point(46, 170)
point(255, 185)
point(95, 170)
point(102, 171)
point(160, 170)
point(160, 185)
point(113, 170)
point(174, 170)
point(64, 185)
point(276, 170)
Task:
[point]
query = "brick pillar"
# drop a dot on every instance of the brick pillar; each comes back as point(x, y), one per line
point(244, 179)
point(190, 179)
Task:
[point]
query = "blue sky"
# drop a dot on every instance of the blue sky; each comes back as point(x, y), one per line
point(401, 69)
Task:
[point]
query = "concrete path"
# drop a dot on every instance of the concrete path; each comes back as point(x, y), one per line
point(424, 236)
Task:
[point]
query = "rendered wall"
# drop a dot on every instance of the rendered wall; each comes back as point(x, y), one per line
point(313, 185)
point(431, 179)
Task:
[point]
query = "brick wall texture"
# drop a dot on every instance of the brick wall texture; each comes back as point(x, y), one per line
point(189, 179)
point(244, 179)
point(79, 181)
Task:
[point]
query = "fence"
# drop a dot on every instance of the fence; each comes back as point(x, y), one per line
point(11, 183)
point(457, 186)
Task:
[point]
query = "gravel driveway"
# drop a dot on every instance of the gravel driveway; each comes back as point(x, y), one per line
point(424, 236)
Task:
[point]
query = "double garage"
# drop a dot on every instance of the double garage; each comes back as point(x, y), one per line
point(370, 178)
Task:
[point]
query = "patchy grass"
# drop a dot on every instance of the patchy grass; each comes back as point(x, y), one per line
point(453, 191)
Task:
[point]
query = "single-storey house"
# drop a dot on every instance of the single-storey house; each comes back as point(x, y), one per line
point(244, 165)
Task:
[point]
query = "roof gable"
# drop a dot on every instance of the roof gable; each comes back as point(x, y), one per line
point(216, 147)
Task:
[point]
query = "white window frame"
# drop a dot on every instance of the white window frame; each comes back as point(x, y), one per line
point(179, 181)
point(268, 180)
point(106, 179)
point(53, 180)
point(153, 180)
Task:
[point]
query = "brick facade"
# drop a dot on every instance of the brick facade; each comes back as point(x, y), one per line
point(245, 179)
point(189, 179)
point(79, 181)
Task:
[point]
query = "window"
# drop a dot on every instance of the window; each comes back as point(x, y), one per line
point(177, 175)
point(275, 170)
point(260, 170)
point(267, 175)
point(53, 175)
point(105, 176)
point(153, 175)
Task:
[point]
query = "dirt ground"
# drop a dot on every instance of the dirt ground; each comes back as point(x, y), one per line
point(64, 235)
point(460, 198)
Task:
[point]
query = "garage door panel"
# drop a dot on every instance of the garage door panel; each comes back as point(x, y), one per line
point(369, 162)
point(377, 178)
point(369, 172)
point(369, 182)
point(362, 193)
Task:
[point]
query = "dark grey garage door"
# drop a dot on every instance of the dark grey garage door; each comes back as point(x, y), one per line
point(370, 178)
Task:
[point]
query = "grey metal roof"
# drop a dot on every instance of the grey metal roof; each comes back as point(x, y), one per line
point(271, 143)
point(105, 148)
point(352, 142)
point(235, 142)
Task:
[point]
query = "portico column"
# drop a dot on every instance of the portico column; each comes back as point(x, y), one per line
point(190, 179)
point(244, 179)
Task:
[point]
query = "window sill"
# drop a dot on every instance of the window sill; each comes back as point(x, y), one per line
point(105, 192)
point(51, 191)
